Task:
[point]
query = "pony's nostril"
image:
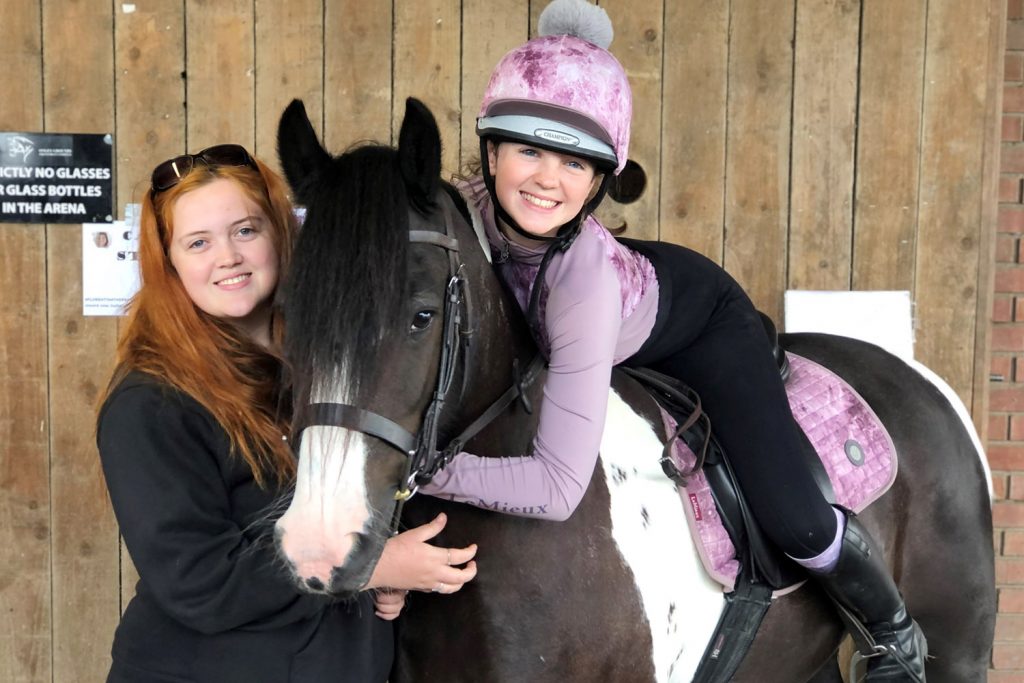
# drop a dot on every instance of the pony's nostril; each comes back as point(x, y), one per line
point(315, 584)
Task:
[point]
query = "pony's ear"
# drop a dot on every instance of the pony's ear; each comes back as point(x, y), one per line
point(298, 148)
point(419, 153)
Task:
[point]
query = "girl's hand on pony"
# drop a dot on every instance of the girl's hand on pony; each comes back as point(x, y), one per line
point(389, 602)
point(410, 563)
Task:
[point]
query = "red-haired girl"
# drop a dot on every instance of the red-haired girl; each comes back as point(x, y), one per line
point(190, 435)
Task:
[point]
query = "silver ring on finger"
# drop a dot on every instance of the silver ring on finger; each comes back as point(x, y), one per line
point(449, 560)
point(439, 588)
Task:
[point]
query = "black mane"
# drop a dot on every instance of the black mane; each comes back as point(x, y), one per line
point(357, 207)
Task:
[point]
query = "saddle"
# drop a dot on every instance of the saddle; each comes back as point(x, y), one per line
point(747, 563)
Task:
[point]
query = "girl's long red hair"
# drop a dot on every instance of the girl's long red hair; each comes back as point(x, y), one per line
point(238, 381)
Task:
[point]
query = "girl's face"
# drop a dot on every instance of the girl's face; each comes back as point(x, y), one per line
point(224, 255)
point(541, 190)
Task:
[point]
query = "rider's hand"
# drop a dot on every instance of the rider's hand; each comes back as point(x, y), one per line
point(409, 562)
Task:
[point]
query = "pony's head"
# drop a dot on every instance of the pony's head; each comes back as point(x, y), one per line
point(363, 308)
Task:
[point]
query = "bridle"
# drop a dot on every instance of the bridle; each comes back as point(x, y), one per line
point(423, 458)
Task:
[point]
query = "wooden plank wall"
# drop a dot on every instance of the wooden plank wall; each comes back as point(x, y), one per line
point(837, 144)
point(26, 641)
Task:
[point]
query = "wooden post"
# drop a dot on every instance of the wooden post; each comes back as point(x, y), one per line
point(78, 98)
point(25, 598)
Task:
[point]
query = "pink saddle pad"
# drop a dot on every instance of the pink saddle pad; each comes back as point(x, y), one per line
point(851, 441)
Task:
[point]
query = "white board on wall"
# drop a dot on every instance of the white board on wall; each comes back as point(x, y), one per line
point(884, 318)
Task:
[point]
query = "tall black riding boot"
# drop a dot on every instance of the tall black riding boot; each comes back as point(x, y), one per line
point(862, 583)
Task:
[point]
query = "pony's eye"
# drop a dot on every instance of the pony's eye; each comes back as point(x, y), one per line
point(421, 320)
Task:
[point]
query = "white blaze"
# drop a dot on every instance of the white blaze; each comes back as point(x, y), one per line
point(329, 505)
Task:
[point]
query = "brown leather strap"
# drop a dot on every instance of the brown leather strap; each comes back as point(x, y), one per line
point(357, 419)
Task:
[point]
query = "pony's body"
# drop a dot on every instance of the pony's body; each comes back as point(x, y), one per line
point(955, 559)
point(616, 592)
point(578, 599)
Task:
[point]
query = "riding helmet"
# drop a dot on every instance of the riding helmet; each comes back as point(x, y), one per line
point(563, 90)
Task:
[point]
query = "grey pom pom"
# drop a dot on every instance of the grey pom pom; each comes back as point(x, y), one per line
point(576, 18)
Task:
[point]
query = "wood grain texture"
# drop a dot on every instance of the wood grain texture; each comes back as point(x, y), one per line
point(952, 184)
point(78, 97)
point(21, 47)
point(289, 65)
point(428, 67)
point(992, 127)
point(824, 109)
point(639, 46)
point(358, 74)
point(889, 145)
point(693, 125)
point(757, 156)
point(25, 598)
point(497, 28)
point(149, 68)
point(25, 553)
point(220, 68)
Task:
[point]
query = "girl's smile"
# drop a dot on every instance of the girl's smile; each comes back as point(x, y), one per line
point(537, 201)
point(231, 282)
point(540, 190)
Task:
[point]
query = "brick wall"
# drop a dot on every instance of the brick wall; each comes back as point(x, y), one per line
point(1006, 409)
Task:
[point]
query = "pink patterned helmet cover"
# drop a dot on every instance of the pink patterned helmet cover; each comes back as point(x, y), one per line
point(569, 81)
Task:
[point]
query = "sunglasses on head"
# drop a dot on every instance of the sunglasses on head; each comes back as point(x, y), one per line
point(169, 173)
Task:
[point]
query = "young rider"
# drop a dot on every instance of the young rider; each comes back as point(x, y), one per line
point(554, 126)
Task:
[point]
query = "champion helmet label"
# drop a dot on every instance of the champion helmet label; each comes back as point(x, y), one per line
point(556, 136)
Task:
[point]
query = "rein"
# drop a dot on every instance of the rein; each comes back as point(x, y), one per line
point(423, 458)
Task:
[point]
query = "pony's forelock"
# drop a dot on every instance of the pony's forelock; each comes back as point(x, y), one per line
point(356, 207)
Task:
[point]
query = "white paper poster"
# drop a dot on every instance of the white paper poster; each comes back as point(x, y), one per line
point(110, 266)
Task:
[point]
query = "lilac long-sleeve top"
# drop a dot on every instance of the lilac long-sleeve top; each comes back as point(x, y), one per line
point(597, 308)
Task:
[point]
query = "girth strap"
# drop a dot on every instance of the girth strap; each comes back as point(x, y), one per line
point(744, 610)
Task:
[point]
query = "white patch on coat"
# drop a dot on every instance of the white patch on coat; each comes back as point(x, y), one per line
point(961, 411)
point(649, 526)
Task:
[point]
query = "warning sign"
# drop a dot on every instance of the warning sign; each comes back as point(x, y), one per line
point(56, 178)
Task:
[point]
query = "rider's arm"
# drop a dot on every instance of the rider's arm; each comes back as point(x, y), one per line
point(582, 319)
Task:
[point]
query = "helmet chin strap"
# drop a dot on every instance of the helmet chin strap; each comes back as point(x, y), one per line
point(563, 239)
point(567, 232)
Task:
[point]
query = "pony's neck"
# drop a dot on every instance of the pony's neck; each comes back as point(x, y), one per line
point(501, 340)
